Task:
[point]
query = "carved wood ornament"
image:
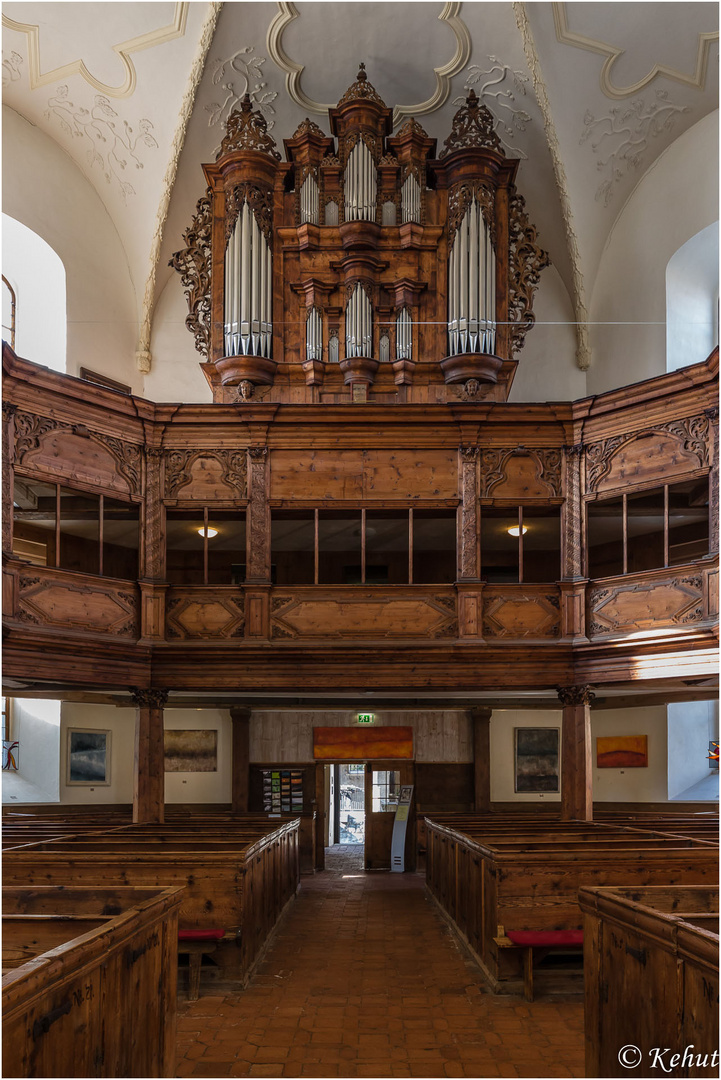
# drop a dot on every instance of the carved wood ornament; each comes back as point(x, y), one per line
point(179, 464)
point(494, 468)
point(194, 265)
point(692, 435)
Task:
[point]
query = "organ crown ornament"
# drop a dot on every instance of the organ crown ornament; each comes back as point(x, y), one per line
point(363, 258)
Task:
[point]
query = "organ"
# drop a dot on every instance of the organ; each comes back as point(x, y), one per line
point(363, 264)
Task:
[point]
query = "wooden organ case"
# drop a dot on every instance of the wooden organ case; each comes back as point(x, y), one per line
point(362, 266)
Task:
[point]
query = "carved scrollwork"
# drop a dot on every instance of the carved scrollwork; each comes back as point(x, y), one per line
point(308, 127)
point(259, 199)
point(495, 461)
point(9, 410)
point(411, 127)
point(193, 264)
point(526, 259)
point(330, 161)
point(473, 126)
point(693, 433)
point(30, 429)
point(179, 464)
point(247, 129)
point(575, 695)
point(127, 455)
point(361, 88)
point(460, 198)
point(148, 699)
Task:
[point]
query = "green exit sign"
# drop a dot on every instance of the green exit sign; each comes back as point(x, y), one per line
point(366, 718)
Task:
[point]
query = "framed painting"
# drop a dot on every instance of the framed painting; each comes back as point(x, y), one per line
point(622, 752)
point(191, 750)
point(88, 757)
point(536, 760)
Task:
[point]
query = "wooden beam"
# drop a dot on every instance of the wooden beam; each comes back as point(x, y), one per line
point(576, 757)
point(149, 769)
point(481, 718)
point(240, 780)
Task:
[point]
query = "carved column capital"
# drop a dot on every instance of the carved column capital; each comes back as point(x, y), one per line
point(574, 451)
point(148, 699)
point(154, 453)
point(712, 413)
point(9, 410)
point(575, 695)
point(258, 453)
point(469, 453)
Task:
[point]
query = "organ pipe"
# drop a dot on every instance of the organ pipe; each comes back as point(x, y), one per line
point(360, 184)
point(248, 328)
point(472, 286)
point(314, 335)
point(404, 331)
point(309, 200)
point(411, 199)
point(359, 324)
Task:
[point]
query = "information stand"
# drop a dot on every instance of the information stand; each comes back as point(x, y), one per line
point(398, 842)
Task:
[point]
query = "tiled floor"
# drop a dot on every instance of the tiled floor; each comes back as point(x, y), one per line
point(364, 979)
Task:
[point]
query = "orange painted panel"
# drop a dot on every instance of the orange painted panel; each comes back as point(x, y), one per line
point(354, 744)
point(622, 752)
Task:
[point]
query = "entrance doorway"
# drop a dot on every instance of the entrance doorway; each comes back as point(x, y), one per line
point(346, 804)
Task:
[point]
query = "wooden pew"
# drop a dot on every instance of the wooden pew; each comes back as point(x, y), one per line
point(651, 965)
point(487, 873)
point(89, 981)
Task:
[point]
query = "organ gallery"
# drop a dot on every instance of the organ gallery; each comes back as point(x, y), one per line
point(360, 645)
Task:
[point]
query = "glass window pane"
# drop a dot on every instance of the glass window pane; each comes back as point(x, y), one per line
point(386, 547)
point(339, 547)
point(79, 531)
point(499, 545)
point(120, 539)
point(541, 543)
point(292, 546)
point(605, 537)
point(434, 547)
point(34, 521)
point(226, 549)
point(184, 546)
point(645, 530)
point(386, 790)
point(688, 521)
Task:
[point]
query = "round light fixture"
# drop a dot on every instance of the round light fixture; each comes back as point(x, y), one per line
point(515, 531)
point(209, 532)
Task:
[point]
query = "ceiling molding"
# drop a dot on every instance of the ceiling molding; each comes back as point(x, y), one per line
point(696, 81)
point(287, 13)
point(174, 30)
point(583, 347)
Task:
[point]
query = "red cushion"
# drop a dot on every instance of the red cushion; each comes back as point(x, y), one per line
point(200, 935)
point(545, 937)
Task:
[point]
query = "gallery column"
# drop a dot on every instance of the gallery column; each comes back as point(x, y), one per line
point(149, 777)
point(241, 760)
point(481, 718)
point(576, 756)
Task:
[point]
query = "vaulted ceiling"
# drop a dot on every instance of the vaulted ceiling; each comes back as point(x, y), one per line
point(587, 95)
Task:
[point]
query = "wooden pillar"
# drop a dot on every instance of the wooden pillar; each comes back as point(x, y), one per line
point(149, 779)
point(576, 753)
point(241, 760)
point(152, 578)
point(713, 479)
point(258, 544)
point(571, 527)
point(481, 718)
point(8, 446)
point(468, 547)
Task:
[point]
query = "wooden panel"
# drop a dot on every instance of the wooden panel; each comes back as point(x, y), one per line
point(205, 614)
point(65, 455)
point(362, 744)
point(517, 474)
point(521, 612)
point(674, 449)
point(636, 603)
point(71, 601)
point(205, 475)
point(360, 613)
point(316, 474)
point(410, 474)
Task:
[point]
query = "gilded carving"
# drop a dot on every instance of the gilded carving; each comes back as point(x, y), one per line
point(494, 463)
point(247, 129)
point(692, 433)
point(473, 126)
point(193, 264)
point(179, 464)
point(575, 695)
point(260, 201)
point(148, 699)
point(526, 259)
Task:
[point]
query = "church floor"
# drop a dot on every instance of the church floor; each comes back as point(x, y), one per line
point(364, 979)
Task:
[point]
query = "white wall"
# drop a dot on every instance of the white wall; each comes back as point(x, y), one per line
point(692, 300)
point(175, 373)
point(632, 785)
point(503, 723)
point(44, 189)
point(691, 726)
point(36, 726)
point(202, 787)
point(675, 199)
point(121, 725)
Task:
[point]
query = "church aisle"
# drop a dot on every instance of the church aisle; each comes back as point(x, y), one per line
point(364, 980)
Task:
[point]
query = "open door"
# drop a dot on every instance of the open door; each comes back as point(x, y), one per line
point(384, 780)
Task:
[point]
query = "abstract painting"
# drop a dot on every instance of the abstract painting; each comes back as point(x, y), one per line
point(188, 750)
point(351, 743)
point(536, 759)
point(88, 757)
point(622, 752)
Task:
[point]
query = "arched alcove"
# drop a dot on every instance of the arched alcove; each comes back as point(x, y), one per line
point(692, 299)
point(36, 275)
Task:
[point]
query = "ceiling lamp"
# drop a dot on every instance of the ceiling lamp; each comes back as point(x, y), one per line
point(516, 531)
point(209, 532)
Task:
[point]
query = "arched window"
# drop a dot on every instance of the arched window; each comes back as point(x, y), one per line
point(692, 291)
point(8, 312)
point(36, 276)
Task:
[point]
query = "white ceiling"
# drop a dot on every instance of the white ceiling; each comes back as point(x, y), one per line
point(605, 87)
